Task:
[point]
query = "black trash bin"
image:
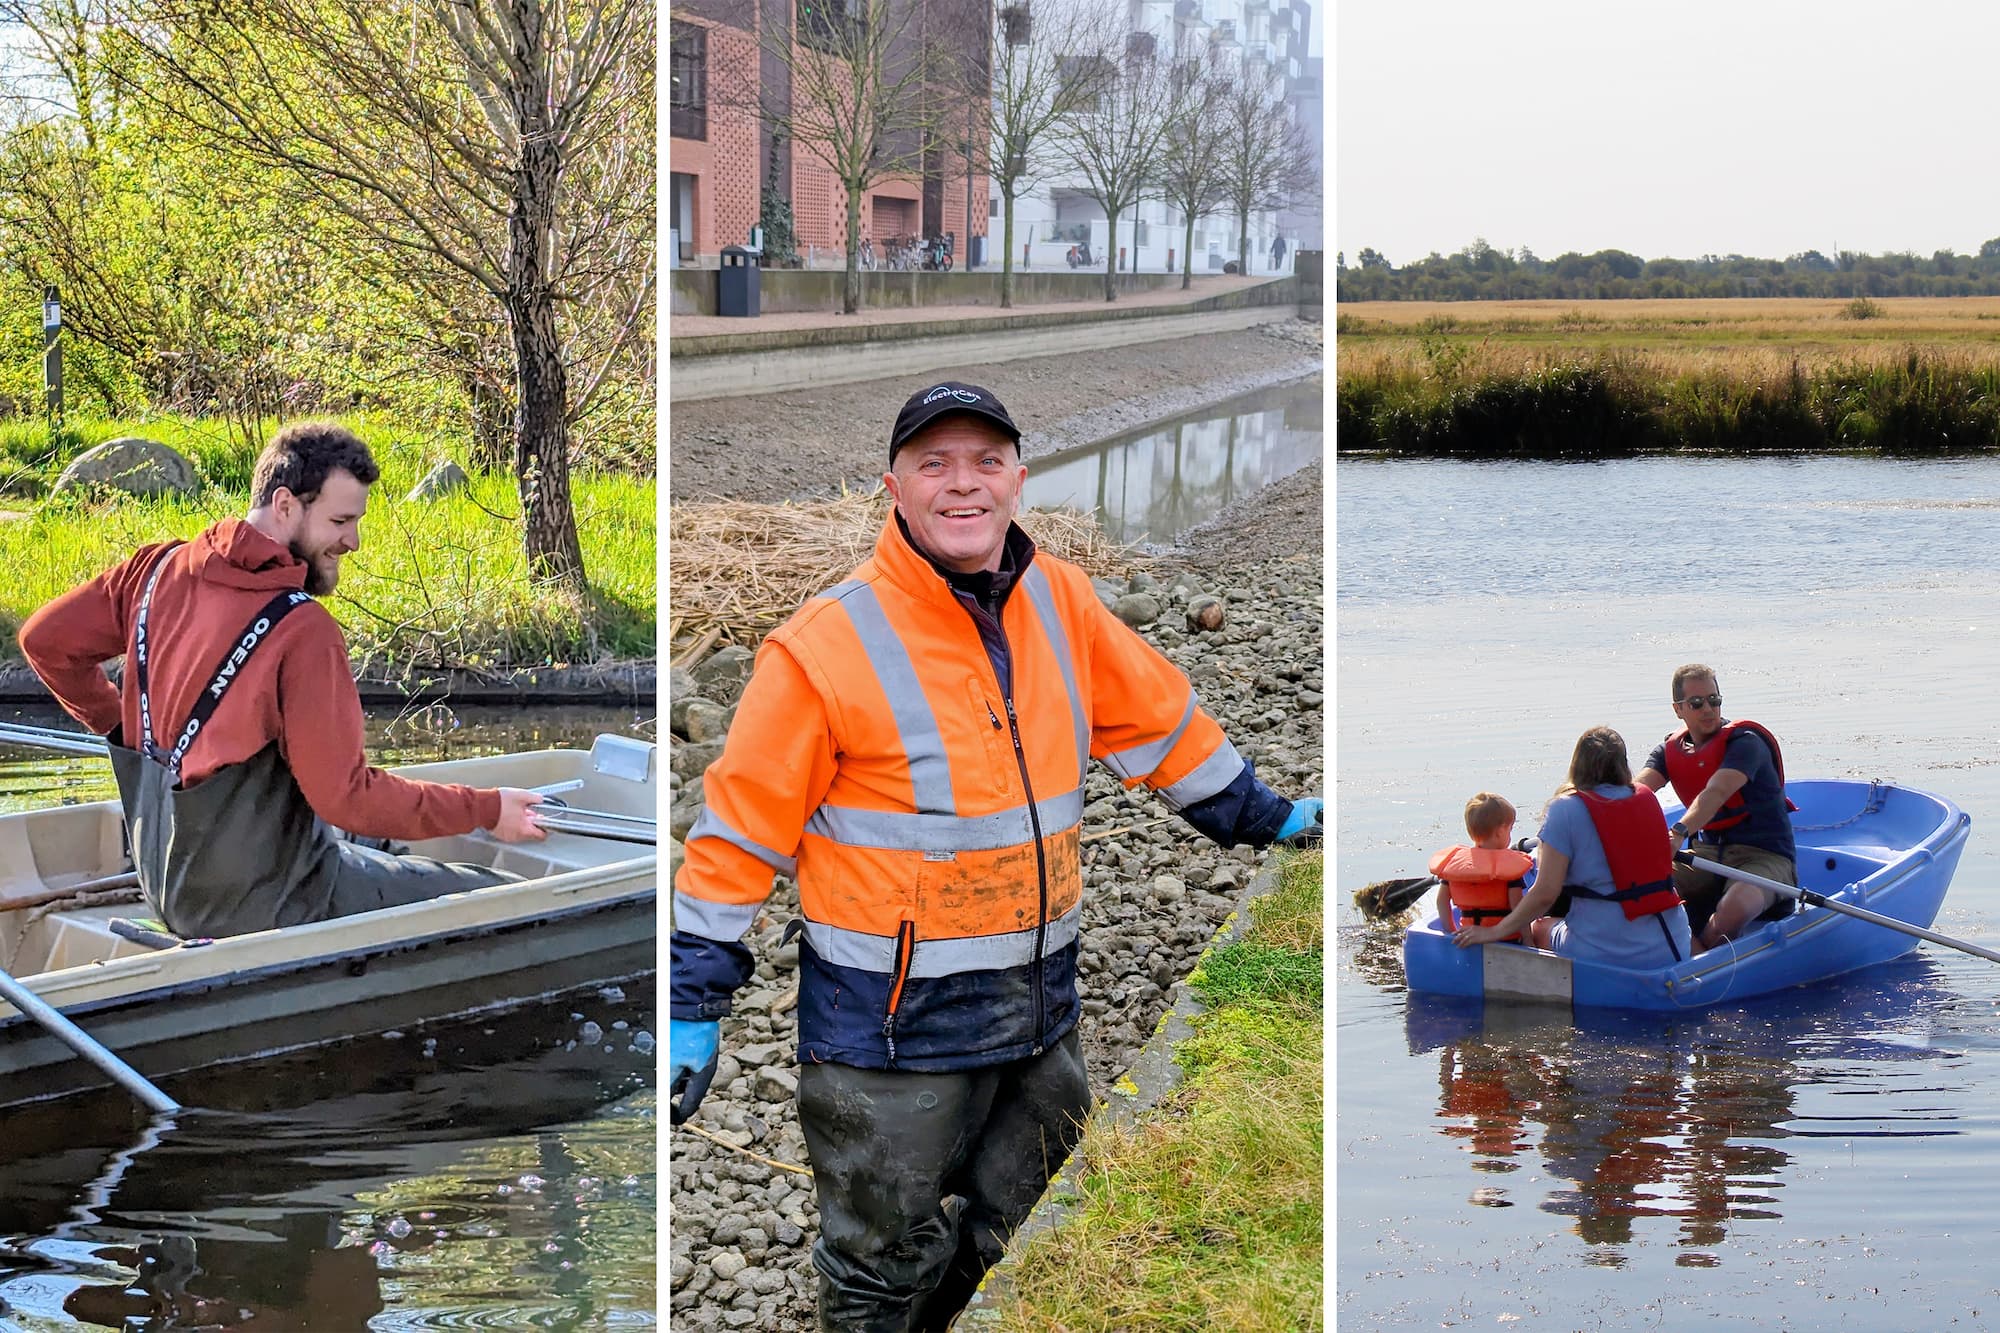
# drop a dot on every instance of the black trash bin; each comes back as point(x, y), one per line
point(738, 287)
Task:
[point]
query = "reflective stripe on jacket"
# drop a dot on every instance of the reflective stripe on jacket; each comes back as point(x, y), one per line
point(930, 821)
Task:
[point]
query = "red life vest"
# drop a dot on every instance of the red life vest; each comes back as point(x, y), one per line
point(1633, 831)
point(1478, 878)
point(1690, 770)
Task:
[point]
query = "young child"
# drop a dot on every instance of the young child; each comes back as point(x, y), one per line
point(1482, 881)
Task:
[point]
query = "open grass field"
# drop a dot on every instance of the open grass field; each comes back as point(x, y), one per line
point(1207, 1215)
point(436, 584)
point(1566, 378)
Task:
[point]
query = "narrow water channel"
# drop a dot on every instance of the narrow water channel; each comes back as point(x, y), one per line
point(1155, 484)
point(497, 1172)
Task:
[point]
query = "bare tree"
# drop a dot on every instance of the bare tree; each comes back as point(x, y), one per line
point(860, 96)
point(1267, 158)
point(1114, 136)
point(1032, 97)
point(494, 137)
point(1191, 175)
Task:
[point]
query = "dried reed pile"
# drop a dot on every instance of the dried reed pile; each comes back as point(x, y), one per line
point(736, 569)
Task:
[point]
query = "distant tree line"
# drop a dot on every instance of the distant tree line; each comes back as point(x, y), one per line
point(1481, 272)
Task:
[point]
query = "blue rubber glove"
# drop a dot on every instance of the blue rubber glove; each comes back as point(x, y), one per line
point(1306, 824)
point(692, 1049)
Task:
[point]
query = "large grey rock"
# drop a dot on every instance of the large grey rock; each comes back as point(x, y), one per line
point(443, 479)
point(704, 720)
point(723, 673)
point(130, 464)
point(1136, 609)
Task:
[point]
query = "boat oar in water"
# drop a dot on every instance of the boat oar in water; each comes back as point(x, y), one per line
point(1815, 899)
point(74, 1037)
point(1387, 899)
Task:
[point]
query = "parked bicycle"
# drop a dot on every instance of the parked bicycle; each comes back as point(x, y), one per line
point(901, 252)
point(867, 256)
point(937, 252)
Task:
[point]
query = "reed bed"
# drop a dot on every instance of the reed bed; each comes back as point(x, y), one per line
point(738, 569)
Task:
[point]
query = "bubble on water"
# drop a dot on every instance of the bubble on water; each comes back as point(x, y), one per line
point(392, 1035)
point(590, 1034)
point(643, 1042)
point(398, 1228)
point(569, 1046)
point(620, 1025)
point(381, 1248)
point(504, 1189)
point(576, 1018)
point(611, 994)
point(427, 1215)
point(630, 1182)
point(430, 1046)
point(551, 1248)
point(531, 1181)
point(565, 1264)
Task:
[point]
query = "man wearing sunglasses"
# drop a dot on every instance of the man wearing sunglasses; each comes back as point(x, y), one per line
point(1731, 778)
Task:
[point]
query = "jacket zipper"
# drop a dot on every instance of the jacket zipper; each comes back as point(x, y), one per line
point(1041, 872)
point(906, 948)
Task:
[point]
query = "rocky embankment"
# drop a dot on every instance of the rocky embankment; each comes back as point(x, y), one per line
point(1155, 891)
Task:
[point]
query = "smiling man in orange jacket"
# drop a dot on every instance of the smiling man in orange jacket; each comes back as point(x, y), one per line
point(911, 748)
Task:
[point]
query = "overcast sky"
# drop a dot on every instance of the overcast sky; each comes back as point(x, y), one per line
point(1755, 127)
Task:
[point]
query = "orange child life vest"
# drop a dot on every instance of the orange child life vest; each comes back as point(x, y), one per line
point(1478, 878)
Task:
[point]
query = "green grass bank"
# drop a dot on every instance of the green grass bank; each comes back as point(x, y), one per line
point(1207, 1213)
point(437, 584)
point(1453, 398)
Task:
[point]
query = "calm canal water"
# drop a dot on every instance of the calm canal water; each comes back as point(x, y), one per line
point(1811, 1161)
point(1158, 483)
point(497, 1173)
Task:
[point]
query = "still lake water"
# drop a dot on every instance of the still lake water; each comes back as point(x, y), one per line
point(1816, 1160)
point(1155, 484)
point(491, 1173)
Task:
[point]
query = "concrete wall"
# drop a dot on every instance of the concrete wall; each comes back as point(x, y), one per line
point(785, 290)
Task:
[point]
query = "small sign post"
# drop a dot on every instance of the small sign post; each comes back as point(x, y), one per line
point(52, 391)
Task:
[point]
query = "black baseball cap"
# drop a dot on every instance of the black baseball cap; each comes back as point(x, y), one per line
point(927, 405)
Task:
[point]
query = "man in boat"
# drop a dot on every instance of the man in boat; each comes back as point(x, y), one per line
point(1731, 778)
point(911, 749)
point(237, 736)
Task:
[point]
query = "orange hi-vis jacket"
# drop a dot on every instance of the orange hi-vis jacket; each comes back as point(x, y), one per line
point(931, 821)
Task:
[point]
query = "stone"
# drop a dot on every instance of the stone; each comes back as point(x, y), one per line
point(776, 1083)
point(1140, 581)
point(727, 1263)
point(704, 720)
point(1108, 591)
point(1205, 613)
point(130, 464)
point(722, 674)
point(441, 480)
point(690, 760)
point(1169, 888)
point(1136, 609)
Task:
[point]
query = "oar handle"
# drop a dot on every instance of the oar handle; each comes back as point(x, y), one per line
point(1816, 899)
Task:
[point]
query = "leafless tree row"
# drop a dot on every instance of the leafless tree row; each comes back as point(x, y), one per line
point(1067, 93)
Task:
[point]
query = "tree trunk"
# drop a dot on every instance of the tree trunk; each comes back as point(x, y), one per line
point(850, 285)
point(541, 397)
point(1007, 248)
point(1187, 256)
point(1243, 240)
point(1110, 256)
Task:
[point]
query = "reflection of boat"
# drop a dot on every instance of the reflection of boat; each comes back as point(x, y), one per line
point(1889, 849)
point(584, 912)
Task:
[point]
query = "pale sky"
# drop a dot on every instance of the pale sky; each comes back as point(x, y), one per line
point(1755, 127)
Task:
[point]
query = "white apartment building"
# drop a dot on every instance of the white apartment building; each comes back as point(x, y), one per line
point(1058, 215)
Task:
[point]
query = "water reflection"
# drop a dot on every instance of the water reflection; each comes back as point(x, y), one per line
point(1647, 1116)
point(497, 1172)
point(1156, 485)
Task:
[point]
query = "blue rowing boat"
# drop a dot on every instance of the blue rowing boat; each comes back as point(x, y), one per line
point(1871, 845)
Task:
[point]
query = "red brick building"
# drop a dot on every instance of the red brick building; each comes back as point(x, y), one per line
point(719, 149)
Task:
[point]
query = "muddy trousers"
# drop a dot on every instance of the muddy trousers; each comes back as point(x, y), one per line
point(922, 1177)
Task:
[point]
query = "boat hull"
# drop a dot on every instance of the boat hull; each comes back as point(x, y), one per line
point(1890, 849)
point(586, 913)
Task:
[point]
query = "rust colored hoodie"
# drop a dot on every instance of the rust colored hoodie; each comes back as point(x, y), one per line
point(297, 688)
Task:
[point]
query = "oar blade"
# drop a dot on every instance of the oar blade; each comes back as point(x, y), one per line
point(1387, 899)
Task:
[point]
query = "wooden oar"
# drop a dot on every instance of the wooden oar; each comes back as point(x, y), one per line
point(1387, 899)
point(74, 1037)
point(1817, 899)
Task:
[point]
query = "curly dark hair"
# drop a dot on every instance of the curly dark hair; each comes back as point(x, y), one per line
point(300, 456)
